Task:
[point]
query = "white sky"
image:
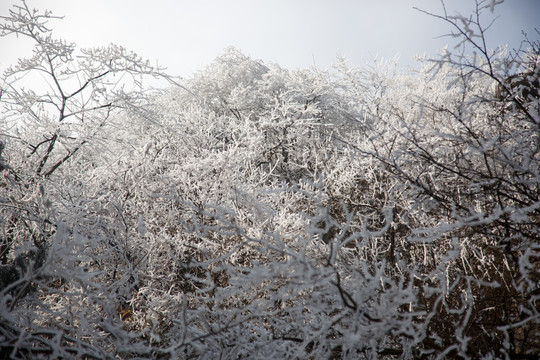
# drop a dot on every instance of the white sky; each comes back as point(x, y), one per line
point(184, 35)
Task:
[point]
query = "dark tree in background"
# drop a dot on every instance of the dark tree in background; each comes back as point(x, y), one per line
point(257, 212)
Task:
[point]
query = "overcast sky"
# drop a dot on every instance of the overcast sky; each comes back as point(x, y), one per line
point(184, 35)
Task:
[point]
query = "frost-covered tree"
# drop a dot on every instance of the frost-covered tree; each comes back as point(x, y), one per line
point(469, 163)
point(257, 212)
point(56, 228)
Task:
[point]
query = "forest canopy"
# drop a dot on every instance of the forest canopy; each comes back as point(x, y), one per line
point(251, 211)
